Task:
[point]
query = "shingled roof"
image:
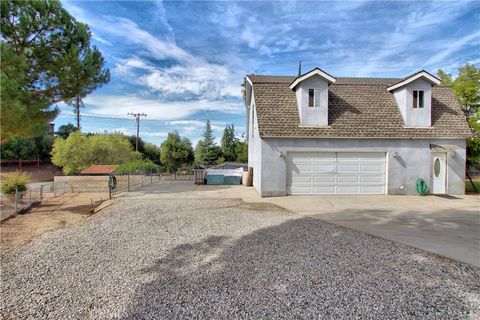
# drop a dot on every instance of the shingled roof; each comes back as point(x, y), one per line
point(357, 108)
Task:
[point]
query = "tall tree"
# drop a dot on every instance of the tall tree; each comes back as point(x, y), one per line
point(42, 50)
point(241, 150)
point(467, 92)
point(87, 68)
point(206, 151)
point(65, 130)
point(176, 151)
point(228, 143)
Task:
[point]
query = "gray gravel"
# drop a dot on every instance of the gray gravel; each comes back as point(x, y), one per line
point(227, 259)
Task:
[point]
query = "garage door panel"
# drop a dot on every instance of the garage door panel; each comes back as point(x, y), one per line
point(372, 168)
point(372, 190)
point(323, 190)
point(324, 167)
point(348, 179)
point(302, 178)
point(324, 179)
point(301, 190)
point(342, 172)
point(347, 190)
point(348, 167)
point(372, 179)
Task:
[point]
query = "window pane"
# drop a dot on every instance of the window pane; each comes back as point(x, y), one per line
point(310, 97)
point(420, 99)
point(415, 92)
point(317, 98)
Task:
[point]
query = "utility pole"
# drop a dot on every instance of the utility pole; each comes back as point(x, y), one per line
point(137, 118)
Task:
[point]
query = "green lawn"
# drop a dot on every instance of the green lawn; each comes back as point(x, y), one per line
point(469, 187)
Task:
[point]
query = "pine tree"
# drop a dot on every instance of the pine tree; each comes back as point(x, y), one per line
point(45, 58)
point(206, 151)
point(228, 143)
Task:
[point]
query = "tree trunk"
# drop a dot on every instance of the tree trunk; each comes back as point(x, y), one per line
point(473, 184)
point(78, 112)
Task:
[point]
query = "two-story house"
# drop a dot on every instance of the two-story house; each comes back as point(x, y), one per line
point(318, 134)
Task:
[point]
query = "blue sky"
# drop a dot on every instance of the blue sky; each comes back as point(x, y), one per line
point(183, 62)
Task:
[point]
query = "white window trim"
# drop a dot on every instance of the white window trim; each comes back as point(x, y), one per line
point(316, 93)
point(418, 99)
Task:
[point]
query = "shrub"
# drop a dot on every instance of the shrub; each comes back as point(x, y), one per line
point(79, 151)
point(137, 165)
point(17, 180)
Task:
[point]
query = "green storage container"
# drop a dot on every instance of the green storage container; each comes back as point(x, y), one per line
point(232, 180)
point(215, 179)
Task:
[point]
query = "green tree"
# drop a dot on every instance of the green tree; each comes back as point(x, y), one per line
point(42, 50)
point(241, 150)
point(206, 152)
point(65, 130)
point(467, 92)
point(28, 148)
point(228, 143)
point(152, 152)
point(176, 151)
point(79, 151)
point(87, 68)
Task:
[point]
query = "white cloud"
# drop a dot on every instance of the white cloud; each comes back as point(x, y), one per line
point(100, 39)
point(120, 105)
point(205, 80)
point(452, 47)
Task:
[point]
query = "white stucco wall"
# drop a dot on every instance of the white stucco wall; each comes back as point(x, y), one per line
point(415, 117)
point(313, 116)
point(254, 146)
point(414, 161)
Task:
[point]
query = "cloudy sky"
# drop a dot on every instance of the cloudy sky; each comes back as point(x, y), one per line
point(184, 62)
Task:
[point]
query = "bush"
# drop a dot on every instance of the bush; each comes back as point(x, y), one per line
point(137, 165)
point(17, 180)
point(79, 151)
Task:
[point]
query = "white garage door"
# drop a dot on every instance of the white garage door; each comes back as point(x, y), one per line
point(336, 172)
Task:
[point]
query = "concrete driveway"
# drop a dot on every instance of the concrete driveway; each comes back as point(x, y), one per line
point(448, 226)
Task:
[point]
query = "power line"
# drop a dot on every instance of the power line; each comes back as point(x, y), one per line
point(137, 118)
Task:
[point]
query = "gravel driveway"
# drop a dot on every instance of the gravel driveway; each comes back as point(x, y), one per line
point(227, 259)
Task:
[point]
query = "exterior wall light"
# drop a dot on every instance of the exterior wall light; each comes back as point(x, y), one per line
point(395, 155)
point(453, 154)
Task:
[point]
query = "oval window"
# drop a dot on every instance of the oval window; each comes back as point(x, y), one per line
point(436, 167)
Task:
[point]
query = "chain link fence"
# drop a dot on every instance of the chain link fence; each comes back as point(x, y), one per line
point(37, 193)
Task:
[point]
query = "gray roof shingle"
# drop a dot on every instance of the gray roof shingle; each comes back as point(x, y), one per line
point(357, 107)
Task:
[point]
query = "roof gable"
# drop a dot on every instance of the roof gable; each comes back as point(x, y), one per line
point(421, 74)
point(315, 72)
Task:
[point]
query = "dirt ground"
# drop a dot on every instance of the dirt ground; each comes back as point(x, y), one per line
point(45, 172)
point(62, 211)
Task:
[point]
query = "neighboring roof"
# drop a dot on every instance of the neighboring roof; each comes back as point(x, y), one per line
point(100, 169)
point(315, 72)
point(358, 107)
point(231, 165)
point(421, 74)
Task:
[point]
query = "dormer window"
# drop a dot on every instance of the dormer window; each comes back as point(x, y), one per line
point(313, 95)
point(418, 99)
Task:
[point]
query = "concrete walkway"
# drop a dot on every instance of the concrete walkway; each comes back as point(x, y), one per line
point(448, 226)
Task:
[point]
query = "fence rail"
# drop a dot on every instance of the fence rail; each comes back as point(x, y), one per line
point(22, 201)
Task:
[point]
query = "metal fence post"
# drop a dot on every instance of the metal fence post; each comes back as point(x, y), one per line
point(41, 192)
point(30, 198)
point(16, 200)
point(128, 182)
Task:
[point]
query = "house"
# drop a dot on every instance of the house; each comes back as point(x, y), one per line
point(320, 134)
